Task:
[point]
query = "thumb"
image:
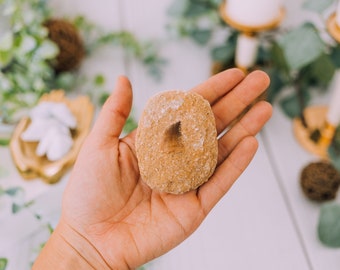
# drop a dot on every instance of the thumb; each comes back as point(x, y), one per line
point(115, 111)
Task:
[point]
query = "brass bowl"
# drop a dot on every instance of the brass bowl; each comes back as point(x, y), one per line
point(24, 153)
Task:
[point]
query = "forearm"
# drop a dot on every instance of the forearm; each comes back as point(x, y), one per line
point(67, 250)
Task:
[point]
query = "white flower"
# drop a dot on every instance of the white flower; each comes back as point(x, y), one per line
point(50, 127)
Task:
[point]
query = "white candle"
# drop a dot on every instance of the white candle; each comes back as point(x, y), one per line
point(253, 12)
point(337, 17)
point(333, 114)
point(246, 51)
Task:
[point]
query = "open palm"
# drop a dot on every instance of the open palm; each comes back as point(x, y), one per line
point(108, 206)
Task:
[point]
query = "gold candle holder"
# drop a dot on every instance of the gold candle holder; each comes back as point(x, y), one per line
point(317, 134)
point(333, 28)
point(24, 154)
point(249, 30)
point(316, 116)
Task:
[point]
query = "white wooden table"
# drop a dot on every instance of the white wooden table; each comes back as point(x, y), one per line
point(264, 222)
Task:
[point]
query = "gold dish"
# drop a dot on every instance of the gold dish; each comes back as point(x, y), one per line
point(315, 117)
point(23, 153)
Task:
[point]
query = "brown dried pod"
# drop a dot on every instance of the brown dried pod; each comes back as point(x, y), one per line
point(320, 181)
point(69, 42)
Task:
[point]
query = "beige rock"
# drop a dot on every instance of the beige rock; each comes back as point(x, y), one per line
point(176, 142)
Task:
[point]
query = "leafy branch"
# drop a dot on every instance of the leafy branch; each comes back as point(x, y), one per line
point(28, 55)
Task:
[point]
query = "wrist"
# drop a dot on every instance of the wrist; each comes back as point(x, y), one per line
point(67, 249)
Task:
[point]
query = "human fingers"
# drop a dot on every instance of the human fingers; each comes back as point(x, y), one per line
point(219, 85)
point(227, 173)
point(244, 94)
point(115, 111)
point(249, 125)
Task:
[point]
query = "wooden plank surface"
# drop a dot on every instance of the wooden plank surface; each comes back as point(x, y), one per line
point(288, 159)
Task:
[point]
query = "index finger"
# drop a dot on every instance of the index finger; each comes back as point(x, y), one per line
point(219, 85)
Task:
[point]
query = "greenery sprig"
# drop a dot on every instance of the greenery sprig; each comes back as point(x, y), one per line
point(27, 54)
point(298, 58)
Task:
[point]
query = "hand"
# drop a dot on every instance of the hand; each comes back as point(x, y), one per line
point(111, 219)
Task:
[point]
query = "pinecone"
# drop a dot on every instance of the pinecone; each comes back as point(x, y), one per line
point(67, 38)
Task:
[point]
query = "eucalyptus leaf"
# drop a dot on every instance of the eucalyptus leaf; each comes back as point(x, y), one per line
point(276, 84)
point(278, 58)
point(195, 10)
point(201, 36)
point(16, 208)
point(322, 70)
point(334, 156)
point(329, 225)
point(301, 46)
point(3, 263)
point(223, 53)
point(178, 7)
point(6, 41)
point(27, 44)
point(335, 56)
point(47, 50)
point(13, 191)
point(5, 58)
point(4, 142)
point(317, 5)
point(291, 104)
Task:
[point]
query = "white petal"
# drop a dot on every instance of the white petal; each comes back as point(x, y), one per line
point(42, 110)
point(36, 130)
point(43, 145)
point(61, 112)
point(59, 147)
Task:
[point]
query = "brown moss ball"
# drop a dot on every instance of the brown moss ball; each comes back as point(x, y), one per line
point(320, 181)
point(67, 38)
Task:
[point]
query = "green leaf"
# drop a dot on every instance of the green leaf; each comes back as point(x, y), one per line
point(6, 41)
point(291, 104)
point(317, 5)
point(276, 84)
point(334, 149)
point(318, 73)
point(223, 53)
point(329, 225)
point(178, 8)
point(130, 125)
point(278, 58)
point(301, 46)
point(196, 10)
point(201, 36)
point(27, 44)
point(13, 191)
point(65, 80)
point(3, 263)
point(16, 208)
point(335, 56)
point(99, 80)
point(47, 50)
point(5, 58)
point(4, 142)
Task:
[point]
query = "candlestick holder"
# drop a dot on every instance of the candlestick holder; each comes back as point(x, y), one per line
point(316, 133)
point(333, 28)
point(250, 31)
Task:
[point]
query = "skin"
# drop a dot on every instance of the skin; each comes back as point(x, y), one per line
point(111, 219)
